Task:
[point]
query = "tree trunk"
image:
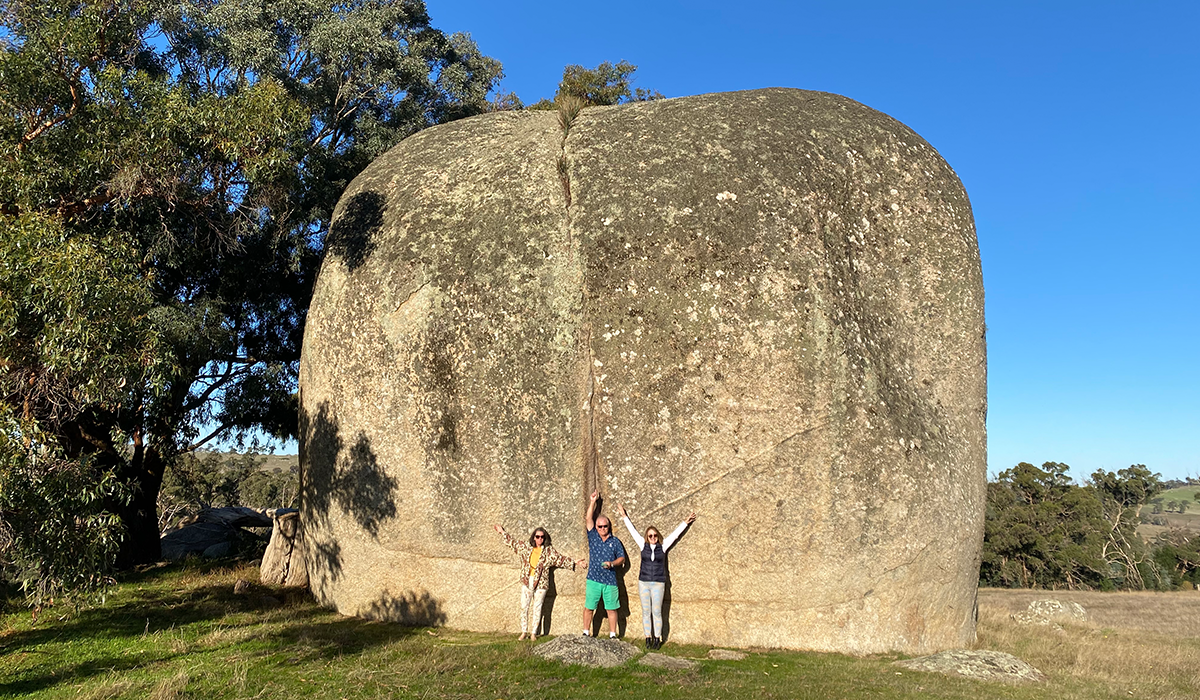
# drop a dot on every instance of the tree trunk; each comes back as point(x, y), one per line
point(140, 516)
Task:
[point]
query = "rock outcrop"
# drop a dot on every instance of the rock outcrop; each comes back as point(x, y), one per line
point(283, 560)
point(765, 306)
point(977, 664)
point(587, 651)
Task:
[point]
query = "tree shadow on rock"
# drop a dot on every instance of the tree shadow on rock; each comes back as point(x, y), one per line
point(419, 610)
point(352, 233)
point(333, 475)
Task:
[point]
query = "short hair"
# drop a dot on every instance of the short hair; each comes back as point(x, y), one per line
point(545, 540)
point(606, 519)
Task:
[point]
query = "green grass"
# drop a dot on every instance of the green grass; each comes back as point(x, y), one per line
point(180, 632)
point(1186, 493)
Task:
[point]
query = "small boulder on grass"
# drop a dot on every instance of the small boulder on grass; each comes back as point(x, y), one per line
point(1048, 613)
point(587, 651)
point(1058, 610)
point(979, 664)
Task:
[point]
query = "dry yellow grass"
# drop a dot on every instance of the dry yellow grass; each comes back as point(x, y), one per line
point(171, 688)
point(1174, 613)
point(1145, 644)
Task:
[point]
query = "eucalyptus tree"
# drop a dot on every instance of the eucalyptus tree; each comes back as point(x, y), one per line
point(168, 170)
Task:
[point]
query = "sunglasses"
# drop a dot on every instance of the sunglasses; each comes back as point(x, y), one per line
point(602, 526)
point(539, 537)
point(653, 534)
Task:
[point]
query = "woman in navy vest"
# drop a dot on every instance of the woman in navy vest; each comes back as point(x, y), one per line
point(654, 574)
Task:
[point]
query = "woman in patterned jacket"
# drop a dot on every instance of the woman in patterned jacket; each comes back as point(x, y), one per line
point(537, 557)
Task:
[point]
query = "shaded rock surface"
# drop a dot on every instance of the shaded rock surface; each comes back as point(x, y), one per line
point(979, 664)
point(198, 538)
point(663, 661)
point(765, 306)
point(587, 651)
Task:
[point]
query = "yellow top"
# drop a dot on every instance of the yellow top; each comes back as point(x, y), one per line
point(534, 556)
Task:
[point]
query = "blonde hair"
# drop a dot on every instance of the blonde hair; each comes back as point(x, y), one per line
point(650, 528)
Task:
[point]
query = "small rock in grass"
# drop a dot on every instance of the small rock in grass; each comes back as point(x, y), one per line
point(241, 587)
point(726, 655)
point(269, 601)
point(664, 661)
point(979, 664)
point(1057, 609)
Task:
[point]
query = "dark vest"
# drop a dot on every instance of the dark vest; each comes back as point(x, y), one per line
point(656, 569)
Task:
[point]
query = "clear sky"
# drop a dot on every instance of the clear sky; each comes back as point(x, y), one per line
point(1073, 126)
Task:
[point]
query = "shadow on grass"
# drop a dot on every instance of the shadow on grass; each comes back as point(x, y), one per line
point(204, 618)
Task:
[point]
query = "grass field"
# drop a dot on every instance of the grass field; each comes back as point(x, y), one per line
point(180, 632)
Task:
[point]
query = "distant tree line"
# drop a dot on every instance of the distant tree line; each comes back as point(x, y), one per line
point(1043, 530)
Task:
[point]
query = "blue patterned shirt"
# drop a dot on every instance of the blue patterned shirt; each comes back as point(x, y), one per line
point(600, 551)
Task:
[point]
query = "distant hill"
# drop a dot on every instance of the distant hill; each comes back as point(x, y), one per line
point(267, 463)
point(1154, 523)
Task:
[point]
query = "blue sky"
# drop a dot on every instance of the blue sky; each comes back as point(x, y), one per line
point(1074, 128)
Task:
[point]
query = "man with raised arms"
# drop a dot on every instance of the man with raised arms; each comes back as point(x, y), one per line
point(605, 553)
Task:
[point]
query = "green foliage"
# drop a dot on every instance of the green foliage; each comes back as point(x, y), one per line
point(74, 336)
point(1178, 552)
point(56, 537)
point(606, 84)
point(1122, 494)
point(168, 172)
point(1043, 531)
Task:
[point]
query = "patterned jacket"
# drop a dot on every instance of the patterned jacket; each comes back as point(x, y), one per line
point(550, 557)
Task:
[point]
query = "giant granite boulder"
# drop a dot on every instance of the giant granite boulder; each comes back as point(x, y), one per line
point(765, 306)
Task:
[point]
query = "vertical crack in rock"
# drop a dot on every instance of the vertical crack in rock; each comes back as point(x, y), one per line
point(568, 110)
point(591, 454)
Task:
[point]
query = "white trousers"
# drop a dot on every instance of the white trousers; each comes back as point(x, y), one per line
point(531, 613)
point(651, 593)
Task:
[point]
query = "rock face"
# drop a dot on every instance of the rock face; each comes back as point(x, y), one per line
point(766, 306)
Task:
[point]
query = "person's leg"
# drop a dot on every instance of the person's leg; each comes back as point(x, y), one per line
point(644, 594)
point(526, 594)
point(590, 600)
point(535, 612)
point(612, 602)
point(657, 590)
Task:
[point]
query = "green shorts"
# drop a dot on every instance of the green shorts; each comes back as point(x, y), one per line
point(596, 591)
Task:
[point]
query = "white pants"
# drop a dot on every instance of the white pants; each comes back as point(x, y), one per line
point(531, 613)
point(651, 593)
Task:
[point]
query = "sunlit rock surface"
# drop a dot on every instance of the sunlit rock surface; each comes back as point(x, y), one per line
point(765, 306)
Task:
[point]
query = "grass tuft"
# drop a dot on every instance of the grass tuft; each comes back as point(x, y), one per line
point(569, 108)
point(171, 688)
